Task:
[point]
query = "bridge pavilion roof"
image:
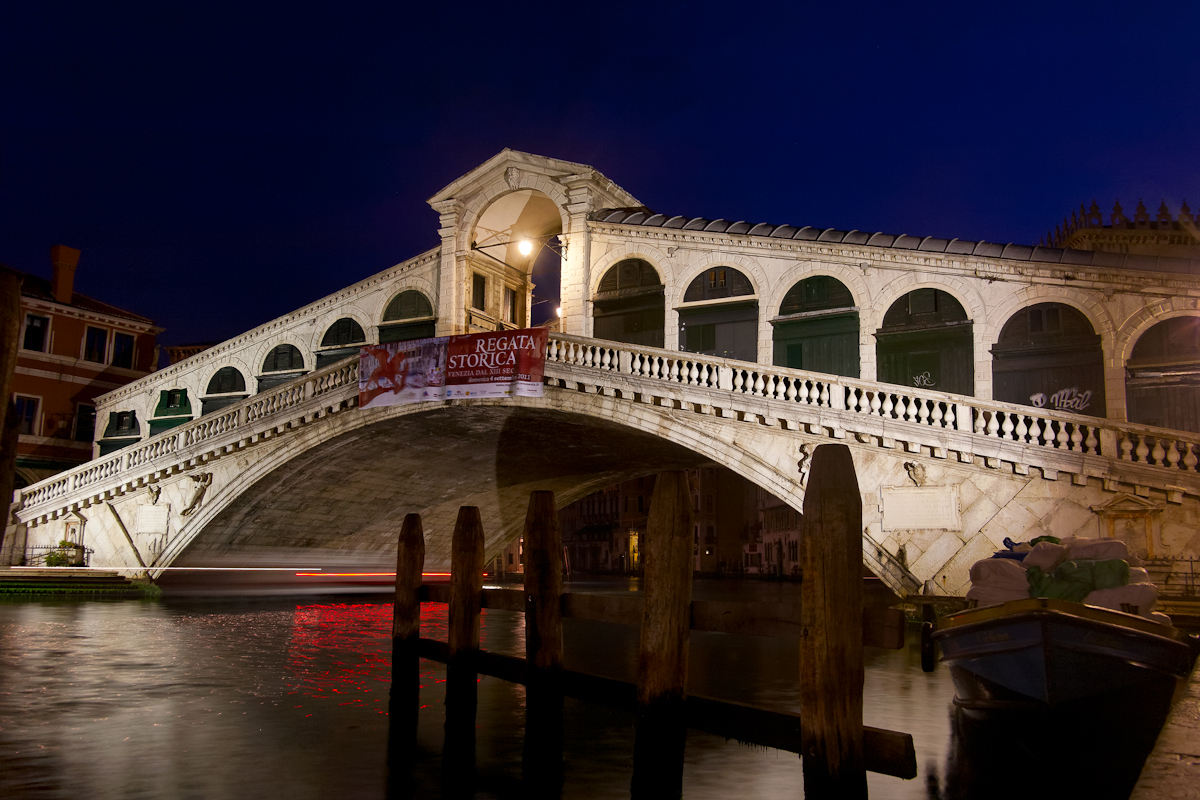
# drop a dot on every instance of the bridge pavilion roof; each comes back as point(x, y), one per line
point(646, 218)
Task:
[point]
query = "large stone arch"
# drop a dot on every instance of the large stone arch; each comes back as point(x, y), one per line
point(380, 302)
point(513, 180)
point(262, 349)
point(269, 490)
point(652, 256)
point(210, 370)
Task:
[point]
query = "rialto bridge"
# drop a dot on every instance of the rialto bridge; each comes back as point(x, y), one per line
point(963, 375)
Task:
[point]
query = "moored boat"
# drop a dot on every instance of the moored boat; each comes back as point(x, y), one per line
point(1048, 653)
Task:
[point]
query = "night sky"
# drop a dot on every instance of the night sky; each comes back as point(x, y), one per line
point(220, 164)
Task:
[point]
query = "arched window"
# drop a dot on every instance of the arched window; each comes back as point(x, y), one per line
point(345, 331)
point(817, 328)
point(225, 381)
point(925, 342)
point(629, 305)
point(284, 358)
point(1162, 377)
point(408, 305)
point(1049, 356)
point(729, 329)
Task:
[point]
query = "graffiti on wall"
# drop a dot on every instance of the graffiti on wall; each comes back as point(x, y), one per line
point(1064, 399)
point(922, 380)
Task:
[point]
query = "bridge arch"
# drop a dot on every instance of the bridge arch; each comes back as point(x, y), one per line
point(390, 461)
point(728, 329)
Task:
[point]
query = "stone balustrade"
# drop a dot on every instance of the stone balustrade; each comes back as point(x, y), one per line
point(912, 420)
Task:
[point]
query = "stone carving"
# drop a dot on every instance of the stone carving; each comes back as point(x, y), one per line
point(805, 462)
point(203, 481)
point(512, 176)
point(916, 471)
point(154, 492)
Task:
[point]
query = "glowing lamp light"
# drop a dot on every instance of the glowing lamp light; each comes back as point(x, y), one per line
point(525, 247)
point(558, 311)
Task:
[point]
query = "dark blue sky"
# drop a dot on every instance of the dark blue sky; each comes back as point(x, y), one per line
point(220, 164)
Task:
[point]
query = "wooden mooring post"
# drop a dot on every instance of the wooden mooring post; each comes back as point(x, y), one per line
point(831, 649)
point(543, 751)
point(466, 597)
point(404, 700)
point(661, 727)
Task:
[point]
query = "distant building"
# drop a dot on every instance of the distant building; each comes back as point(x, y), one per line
point(1143, 235)
point(72, 348)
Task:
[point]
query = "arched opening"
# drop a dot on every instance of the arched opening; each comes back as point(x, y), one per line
point(514, 265)
point(629, 305)
point(1049, 356)
point(728, 328)
point(925, 342)
point(341, 340)
point(817, 328)
point(408, 316)
point(226, 387)
point(1162, 376)
point(174, 408)
point(284, 363)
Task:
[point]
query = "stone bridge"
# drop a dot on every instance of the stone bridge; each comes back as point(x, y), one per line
point(299, 469)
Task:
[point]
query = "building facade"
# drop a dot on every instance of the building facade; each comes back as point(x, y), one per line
point(71, 349)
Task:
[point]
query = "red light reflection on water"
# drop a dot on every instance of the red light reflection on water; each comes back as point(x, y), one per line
point(343, 652)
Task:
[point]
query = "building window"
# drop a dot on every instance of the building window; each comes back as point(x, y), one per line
point(716, 279)
point(27, 409)
point(510, 305)
point(95, 345)
point(37, 329)
point(226, 380)
point(85, 423)
point(125, 423)
point(343, 332)
point(122, 350)
point(641, 503)
point(408, 304)
point(478, 291)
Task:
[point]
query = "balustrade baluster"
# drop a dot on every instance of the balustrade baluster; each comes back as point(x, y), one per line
point(691, 374)
point(1007, 426)
point(935, 414)
point(888, 407)
point(993, 424)
point(1126, 447)
point(922, 410)
point(739, 381)
point(1143, 449)
point(876, 403)
point(1173, 455)
point(1022, 430)
point(824, 395)
point(791, 390)
point(758, 385)
point(1189, 457)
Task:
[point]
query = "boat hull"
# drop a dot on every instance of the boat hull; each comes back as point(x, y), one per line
point(1046, 653)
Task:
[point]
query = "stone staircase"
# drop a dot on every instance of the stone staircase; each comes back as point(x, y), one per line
point(82, 583)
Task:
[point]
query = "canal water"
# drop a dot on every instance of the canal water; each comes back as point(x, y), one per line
point(277, 697)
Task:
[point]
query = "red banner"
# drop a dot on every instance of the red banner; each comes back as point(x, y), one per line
point(499, 364)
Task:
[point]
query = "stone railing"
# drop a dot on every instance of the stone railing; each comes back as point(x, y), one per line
point(889, 416)
point(243, 419)
point(993, 431)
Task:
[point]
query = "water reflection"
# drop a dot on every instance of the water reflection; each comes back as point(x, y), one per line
point(285, 698)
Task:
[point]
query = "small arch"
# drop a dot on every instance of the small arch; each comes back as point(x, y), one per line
point(284, 358)
point(817, 328)
point(629, 304)
point(1049, 355)
point(345, 331)
point(1162, 376)
point(926, 341)
point(341, 339)
point(727, 329)
point(229, 387)
point(409, 315)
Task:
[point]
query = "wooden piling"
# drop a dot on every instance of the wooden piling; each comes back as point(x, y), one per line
point(406, 610)
point(542, 760)
point(661, 731)
point(831, 654)
point(462, 639)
